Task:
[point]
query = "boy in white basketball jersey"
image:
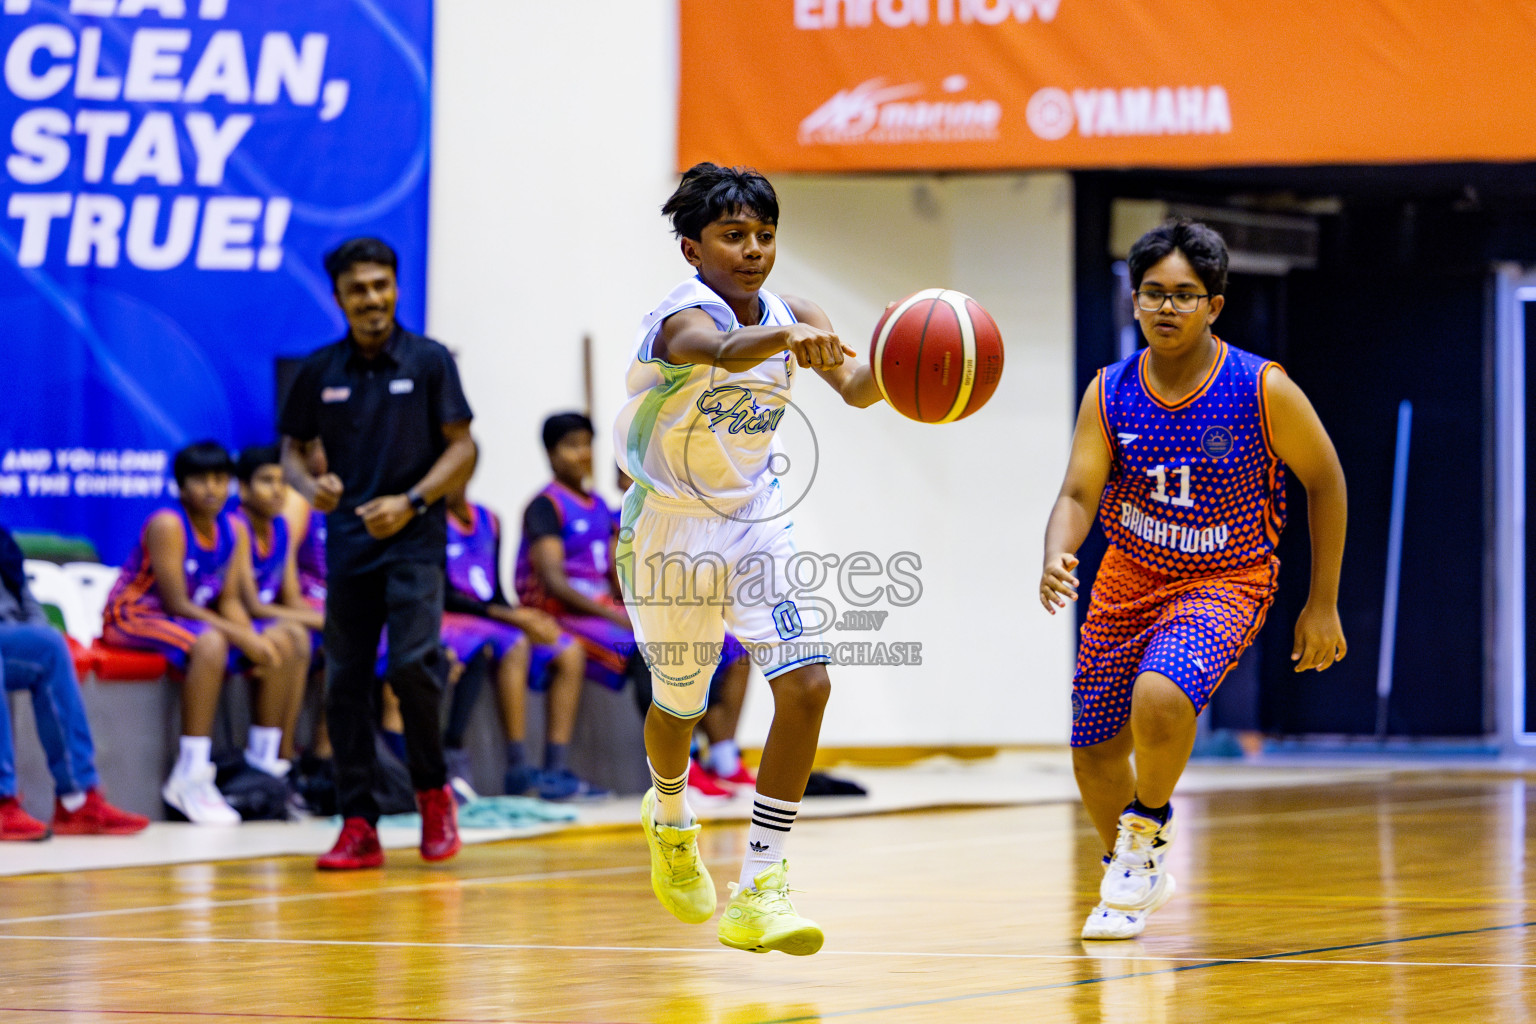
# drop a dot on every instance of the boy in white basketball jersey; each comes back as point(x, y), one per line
point(704, 539)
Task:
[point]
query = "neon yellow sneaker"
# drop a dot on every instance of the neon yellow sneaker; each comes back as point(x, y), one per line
point(678, 875)
point(762, 918)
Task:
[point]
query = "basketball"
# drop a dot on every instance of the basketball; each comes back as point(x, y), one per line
point(937, 356)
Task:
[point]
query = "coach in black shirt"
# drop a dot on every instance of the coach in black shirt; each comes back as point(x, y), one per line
point(386, 408)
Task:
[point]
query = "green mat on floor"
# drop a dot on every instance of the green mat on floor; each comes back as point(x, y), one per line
point(495, 812)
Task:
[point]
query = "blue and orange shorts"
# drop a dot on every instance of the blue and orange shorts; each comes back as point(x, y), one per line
point(1189, 629)
point(467, 635)
point(146, 628)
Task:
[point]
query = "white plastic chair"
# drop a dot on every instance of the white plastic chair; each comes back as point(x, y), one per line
point(94, 583)
point(51, 585)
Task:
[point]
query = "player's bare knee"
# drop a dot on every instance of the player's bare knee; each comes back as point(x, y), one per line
point(302, 646)
point(1099, 759)
point(572, 659)
point(209, 646)
point(1163, 721)
point(659, 717)
point(806, 690)
point(281, 642)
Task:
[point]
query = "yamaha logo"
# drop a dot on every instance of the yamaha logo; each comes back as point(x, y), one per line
point(1054, 113)
point(1049, 114)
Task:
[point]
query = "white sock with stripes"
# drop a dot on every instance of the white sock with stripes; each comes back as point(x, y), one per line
point(771, 822)
point(671, 800)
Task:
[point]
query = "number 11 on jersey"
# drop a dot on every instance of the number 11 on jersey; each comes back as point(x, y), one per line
point(1160, 492)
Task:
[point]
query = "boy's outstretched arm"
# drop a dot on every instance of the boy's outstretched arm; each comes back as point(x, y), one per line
point(1301, 442)
point(690, 336)
point(853, 380)
point(1076, 505)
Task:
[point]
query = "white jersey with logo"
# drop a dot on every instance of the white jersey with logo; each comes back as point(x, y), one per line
point(695, 433)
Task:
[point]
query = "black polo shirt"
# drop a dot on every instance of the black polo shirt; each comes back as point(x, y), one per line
point(381, 421)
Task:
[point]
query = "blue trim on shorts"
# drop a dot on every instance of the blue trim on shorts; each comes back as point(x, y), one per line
point(678, 714)
point(813, 659)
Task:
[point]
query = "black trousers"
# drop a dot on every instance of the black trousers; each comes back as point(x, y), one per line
point(408, 597)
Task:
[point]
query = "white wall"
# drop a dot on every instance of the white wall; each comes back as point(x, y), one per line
point(551, 159)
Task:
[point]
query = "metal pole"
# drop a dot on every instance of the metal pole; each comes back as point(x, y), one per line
point(586, 374)
point(1394, 567)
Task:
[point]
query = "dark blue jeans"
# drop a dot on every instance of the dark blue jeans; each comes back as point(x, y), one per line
point(36, 659)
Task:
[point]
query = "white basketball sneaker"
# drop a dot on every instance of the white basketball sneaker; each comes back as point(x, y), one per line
point(195, 795)
point(1107, 923)
point(1135, 878)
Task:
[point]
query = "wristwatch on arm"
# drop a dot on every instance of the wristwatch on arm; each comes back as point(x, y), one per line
point(418, 504)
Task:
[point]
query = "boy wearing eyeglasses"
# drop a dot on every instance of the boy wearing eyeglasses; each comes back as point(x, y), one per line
point(1181, 451)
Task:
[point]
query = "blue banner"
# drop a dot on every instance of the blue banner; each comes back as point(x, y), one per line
point(174, 171)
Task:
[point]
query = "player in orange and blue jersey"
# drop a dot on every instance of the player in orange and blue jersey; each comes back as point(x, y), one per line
point(180, 594)
point(1181, 450)
point(271, 592)
point(530, 649)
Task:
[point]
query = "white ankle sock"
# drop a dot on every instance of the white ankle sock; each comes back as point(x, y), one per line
point(72, 801)
point(771, 822)
point(724, 758)
point(671, 799)
point(262, 743)
point(196, 752)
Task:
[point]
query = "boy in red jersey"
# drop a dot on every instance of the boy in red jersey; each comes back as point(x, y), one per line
point(1181, 451)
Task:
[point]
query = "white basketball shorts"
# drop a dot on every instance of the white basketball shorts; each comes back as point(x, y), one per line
point(690, 571)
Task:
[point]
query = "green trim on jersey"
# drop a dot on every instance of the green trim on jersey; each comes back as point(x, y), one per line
point(624, 551)
point(643, 427)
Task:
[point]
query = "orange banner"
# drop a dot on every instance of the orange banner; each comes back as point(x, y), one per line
point(879, 85)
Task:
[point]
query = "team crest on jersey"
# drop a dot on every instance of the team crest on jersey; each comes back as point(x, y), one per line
point(1077, 707)
point(1216, 442)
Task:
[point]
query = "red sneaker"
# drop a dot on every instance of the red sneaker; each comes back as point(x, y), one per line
point(703, 784)
point(17, 825)
point(96, 817)
point(741, 778)
point(439, 823)
point(356, 847)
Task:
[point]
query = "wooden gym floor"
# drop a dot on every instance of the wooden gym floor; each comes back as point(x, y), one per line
point(1403, 899)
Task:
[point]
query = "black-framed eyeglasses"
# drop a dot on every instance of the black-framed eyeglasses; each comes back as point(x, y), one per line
point(1151, 300)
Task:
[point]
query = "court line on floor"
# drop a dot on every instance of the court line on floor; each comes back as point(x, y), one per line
point(457, 882)
point(451, 882)
point(1196, 824)
point(1276, 958)
point(1191, 962)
